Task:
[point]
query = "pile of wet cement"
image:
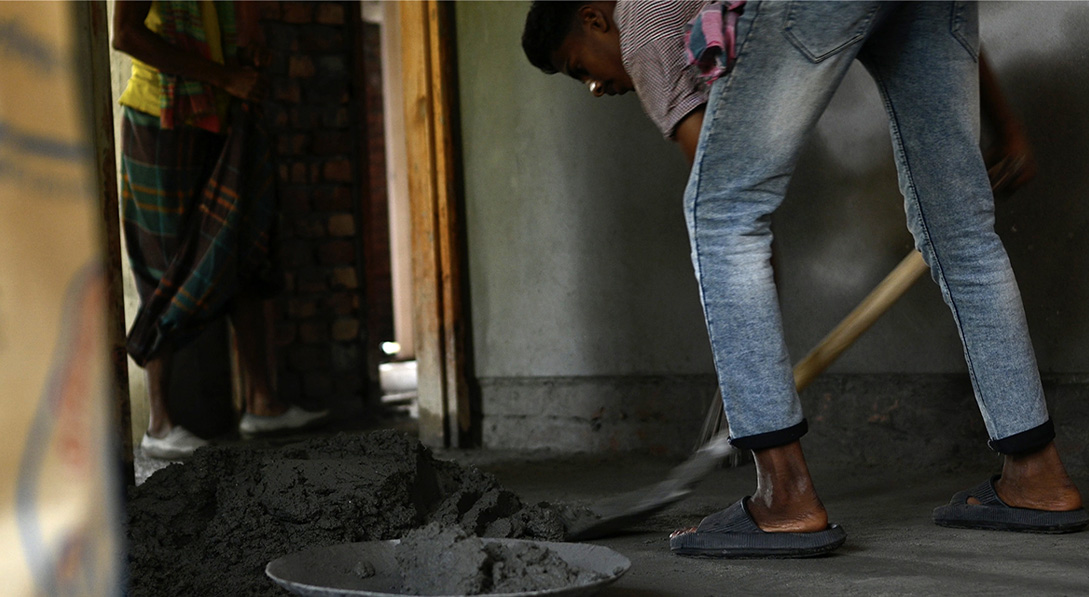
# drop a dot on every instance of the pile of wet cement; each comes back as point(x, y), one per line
point(210, 526)
point(472, 567)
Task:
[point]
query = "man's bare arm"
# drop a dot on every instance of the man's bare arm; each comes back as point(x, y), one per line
point(132, 37)
point(687, 133)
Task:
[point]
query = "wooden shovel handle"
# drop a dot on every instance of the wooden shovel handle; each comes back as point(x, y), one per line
point(860, 319)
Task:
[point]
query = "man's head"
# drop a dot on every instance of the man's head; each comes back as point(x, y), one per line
point(579, 39)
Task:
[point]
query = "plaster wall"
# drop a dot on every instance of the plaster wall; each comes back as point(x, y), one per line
point(578, 259)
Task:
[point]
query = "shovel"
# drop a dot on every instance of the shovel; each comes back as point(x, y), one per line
point(614, 514)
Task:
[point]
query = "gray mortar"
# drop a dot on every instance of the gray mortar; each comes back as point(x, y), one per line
point(209, 527)
point(469, 567)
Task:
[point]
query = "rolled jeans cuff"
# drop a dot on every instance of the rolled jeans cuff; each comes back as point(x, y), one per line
point(771, 439)
point(1026, 441)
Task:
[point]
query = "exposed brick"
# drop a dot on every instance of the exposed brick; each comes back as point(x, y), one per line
point(283, 172)
point(308, 357)
point(285, 90)
point(275, 66)
point(285, 333)
point(333, 198)
point(315, 171)
point(310, 280)
point(336, 252)
point(332, 142)
point(335, 119)
point(293, 144)
point(338, 303)
point(296, 253)
point(345, 357)
point(320, 39)
point(294, 201)
point(342, 225)
point(300, 67)
point(338, 171)
point(327, 91)
point(346, 329)
point(329, 13)
point(289, 281)
point(288, 385)
point(348, 383)
point(345, 277)
point(313, 332)
point(299, 173)
point(307, 117)
point(296, 12)
point(279, 117)
point(317, 385)
point(279, 37)
point(270, 11)
point(298, 308)
point(334, 65)
point(308, 228)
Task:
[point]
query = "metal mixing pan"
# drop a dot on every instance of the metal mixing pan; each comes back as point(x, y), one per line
point(369, 569)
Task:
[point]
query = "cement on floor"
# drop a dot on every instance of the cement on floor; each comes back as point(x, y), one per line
point(892, 546)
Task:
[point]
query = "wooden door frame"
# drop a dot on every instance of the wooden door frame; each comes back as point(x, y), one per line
point(91, 19)
point(429, 85)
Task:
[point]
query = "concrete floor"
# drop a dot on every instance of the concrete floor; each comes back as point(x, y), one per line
point(892, 546)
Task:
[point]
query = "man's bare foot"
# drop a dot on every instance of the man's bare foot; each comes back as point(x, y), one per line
point(1038, 481)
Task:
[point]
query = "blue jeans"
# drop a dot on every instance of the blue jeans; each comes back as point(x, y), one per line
point(791, 57)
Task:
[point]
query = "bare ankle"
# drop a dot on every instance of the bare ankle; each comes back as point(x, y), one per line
point(159, 430)
point(267, 408)
point(804, 515)
point(1037, 480)
point(785, 498)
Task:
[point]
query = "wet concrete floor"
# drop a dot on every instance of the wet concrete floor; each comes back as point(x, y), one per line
point(892, 547)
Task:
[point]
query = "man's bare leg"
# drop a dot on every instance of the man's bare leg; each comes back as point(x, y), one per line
point(158, 382)
point(250, 325)
point(785, 499)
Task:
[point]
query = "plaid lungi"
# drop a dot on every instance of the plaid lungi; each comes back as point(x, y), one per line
point(199, 214)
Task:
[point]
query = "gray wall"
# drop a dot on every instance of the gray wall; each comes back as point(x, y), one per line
point(585, 317)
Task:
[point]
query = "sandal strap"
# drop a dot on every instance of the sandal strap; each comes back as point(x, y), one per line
point(984, 492)
point(735, 519)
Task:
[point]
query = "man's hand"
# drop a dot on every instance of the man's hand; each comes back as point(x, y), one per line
point(132, 37)
point(245, 83)
point(1010, 163)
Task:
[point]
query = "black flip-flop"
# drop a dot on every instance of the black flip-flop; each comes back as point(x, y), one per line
point(993, 514)
point(732, 533)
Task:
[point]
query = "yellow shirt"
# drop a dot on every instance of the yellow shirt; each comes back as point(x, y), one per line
point(143, 89)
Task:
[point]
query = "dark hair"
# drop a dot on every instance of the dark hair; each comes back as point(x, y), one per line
point(547, 25)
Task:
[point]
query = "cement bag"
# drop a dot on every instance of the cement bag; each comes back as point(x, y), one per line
point(59, 494)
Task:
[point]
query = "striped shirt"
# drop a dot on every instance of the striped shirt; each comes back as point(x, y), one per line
point(652, 49)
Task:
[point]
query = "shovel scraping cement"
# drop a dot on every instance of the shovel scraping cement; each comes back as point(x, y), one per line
point(616, 513)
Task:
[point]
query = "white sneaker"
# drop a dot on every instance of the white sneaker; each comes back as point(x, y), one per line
point(179, 444)
point(293, 419)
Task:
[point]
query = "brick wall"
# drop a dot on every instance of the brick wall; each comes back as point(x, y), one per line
point(314, 112)
point(376, 234)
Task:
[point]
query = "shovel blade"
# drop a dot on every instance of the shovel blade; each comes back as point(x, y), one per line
point(617, 513)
